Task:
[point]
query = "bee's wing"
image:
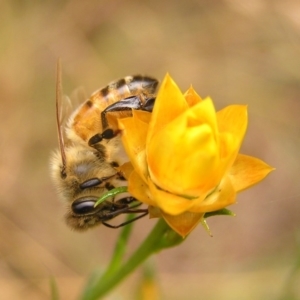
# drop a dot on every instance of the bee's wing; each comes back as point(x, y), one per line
point(60, 116)
point(68, 104)
point(64, 110)
point(78, 96)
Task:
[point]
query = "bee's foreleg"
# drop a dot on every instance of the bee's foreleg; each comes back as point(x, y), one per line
point(141, 213)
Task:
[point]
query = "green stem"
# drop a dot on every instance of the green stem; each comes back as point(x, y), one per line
point(162, 236)
point(117, 257)
point(120, 248)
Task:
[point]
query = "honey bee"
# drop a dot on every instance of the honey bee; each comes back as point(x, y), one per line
point(90, 151)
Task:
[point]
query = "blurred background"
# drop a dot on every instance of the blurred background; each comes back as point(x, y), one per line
point(236, 51)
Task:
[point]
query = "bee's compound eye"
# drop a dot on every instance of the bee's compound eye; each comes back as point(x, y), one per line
point(90, 183)
point(84, 206)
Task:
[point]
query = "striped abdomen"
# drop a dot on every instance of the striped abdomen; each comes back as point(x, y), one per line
point(87, 120)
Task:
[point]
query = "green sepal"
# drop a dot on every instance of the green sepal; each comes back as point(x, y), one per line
point(220, 212)
point(111, 193)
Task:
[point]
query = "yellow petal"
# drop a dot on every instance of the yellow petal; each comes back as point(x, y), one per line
point(134, 133)
point(247, 171)
point(170, 203)
point(154, 212)
point(232, 123)
point(139, 189)
point(184, 223)
point(184, 157)
point(143, 116)
point(192, 97)
point(126, 169)
point(169, 104)
point(233, 119)
point(221, 197)
point(203, 113)
point(229, 146)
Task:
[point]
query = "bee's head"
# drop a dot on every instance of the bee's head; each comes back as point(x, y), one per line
point(83, 214)
point(83, 179)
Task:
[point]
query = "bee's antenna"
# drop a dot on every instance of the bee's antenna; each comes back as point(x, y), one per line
point(58, 117)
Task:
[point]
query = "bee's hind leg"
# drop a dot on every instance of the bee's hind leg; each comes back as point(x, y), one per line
point(133, 102)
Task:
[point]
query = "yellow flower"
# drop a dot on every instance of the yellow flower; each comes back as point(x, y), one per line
point(184, 156)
